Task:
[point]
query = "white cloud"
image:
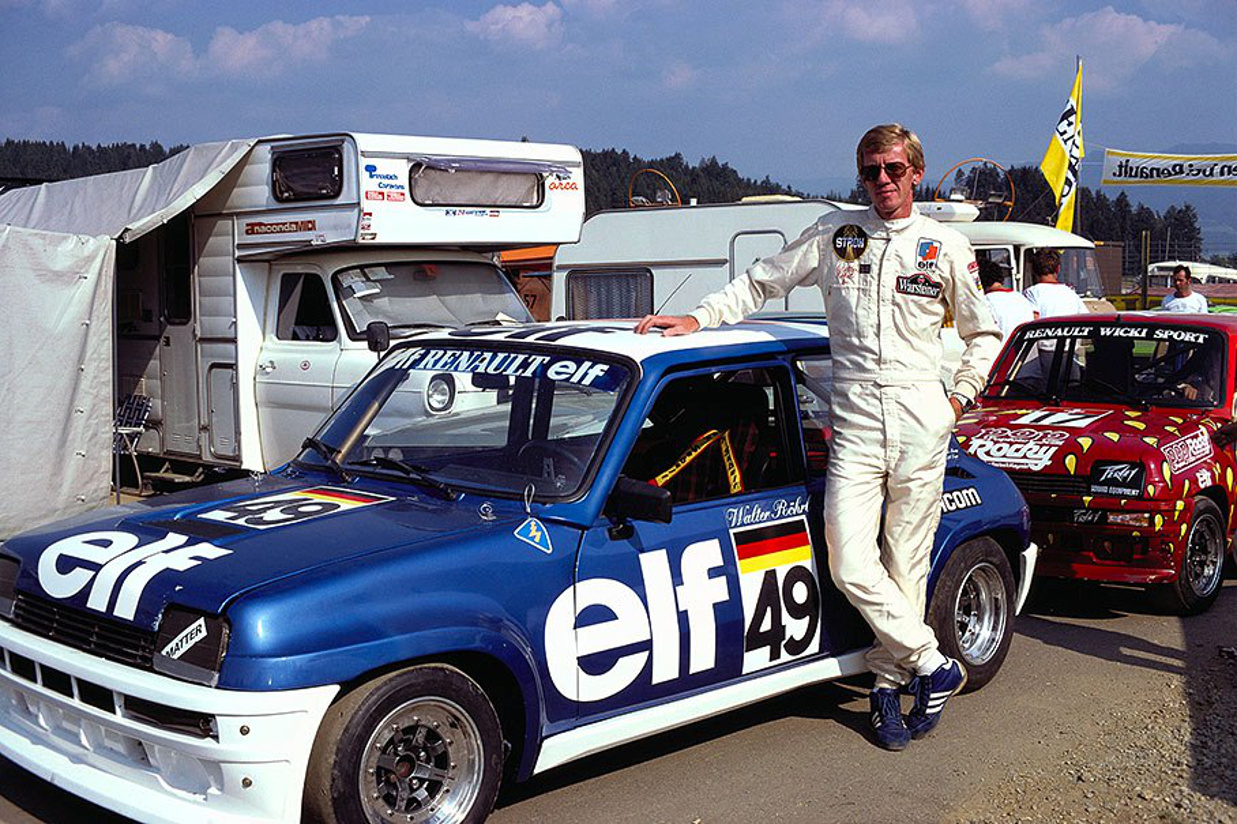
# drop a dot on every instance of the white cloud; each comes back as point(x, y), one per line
point(278, 43)
point(680, 75)
point(538, 27)
point(1113, 46)
point(893, 21)
point(118, 53)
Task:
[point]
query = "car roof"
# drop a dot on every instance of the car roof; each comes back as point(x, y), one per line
point(1219, 322)
point(617, 337)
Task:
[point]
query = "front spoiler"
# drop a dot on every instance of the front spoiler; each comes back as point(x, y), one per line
point(252, 769)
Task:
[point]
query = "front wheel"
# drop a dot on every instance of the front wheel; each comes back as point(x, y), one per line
point(972, 609)
point(422, 745)
point(1202, 563)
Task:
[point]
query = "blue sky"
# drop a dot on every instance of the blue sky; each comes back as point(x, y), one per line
point(782, 88)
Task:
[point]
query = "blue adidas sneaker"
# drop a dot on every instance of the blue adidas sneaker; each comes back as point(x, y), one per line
point(931, 694)
point(891, 731)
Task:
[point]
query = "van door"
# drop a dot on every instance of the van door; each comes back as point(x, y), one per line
point(748, 247)
point(178, 358)
point(297, 362)
point(1004, 256)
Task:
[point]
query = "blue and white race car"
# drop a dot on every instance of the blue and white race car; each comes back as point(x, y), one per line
point(614, 535)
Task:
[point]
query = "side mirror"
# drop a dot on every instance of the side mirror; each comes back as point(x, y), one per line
point(639, 501)
point(378, 336)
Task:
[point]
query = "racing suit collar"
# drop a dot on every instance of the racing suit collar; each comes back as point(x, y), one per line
point(881, 227)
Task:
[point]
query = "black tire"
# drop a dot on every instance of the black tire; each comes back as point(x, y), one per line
point(1202, 563)
point(423, 743)
point(972, 609)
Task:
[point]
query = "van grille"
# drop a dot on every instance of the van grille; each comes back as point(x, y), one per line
point(107, 639)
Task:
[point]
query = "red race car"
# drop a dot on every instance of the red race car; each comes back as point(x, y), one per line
point(1119, 431)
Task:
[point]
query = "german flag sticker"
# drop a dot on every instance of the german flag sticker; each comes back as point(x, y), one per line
point(780, 590)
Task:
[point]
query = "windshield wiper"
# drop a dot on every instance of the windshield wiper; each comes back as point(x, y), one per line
point(418, 473)
point(425, 325)
point(332, 457)
point(1018, 383)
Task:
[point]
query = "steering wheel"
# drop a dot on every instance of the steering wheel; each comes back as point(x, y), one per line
point(533, 454)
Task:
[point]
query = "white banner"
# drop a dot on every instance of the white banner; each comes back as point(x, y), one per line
point(1141, 169)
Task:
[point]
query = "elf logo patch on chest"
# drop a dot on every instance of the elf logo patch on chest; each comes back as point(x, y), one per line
point(919, 285)
point(927, 254)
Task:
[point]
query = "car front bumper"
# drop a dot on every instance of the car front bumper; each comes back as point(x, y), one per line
point(114, 735)
point(1114, 553)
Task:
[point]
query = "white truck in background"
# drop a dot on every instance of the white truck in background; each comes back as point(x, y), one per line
point(630, 262)
point(253, 279)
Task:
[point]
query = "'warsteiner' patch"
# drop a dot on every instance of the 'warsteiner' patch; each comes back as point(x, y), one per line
point(850, 242)
point(919, 285)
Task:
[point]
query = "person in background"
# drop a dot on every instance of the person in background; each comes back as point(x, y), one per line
point(1184, 299)
point(888, 275)
point(1049, 296)
point(1010, 308)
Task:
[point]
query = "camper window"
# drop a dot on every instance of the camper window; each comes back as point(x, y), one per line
point(464, 187)
point(304, 309)
point(623, 293)
point(177, 283)
point(307, 174)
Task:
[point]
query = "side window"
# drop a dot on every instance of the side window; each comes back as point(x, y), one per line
point(815, 383)
point(304, 309)
point(715, 435)
point(176, 271)
point(307, 174)
point(624, 293)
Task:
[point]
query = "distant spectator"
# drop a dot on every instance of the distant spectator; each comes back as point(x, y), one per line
point(1049, 296)
point(1185, 299)
point(1010, 309)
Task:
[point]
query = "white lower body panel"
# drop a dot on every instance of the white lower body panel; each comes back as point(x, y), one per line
point(250, 769)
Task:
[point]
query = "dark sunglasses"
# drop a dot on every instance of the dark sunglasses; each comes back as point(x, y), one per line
point(895, 170)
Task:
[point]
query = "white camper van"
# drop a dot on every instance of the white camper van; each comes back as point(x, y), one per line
point(630, 262)
point(252, 278)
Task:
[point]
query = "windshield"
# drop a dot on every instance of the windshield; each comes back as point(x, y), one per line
point(1081, 270)
point(445, 293)
point(1133, 364)
point(477, 417)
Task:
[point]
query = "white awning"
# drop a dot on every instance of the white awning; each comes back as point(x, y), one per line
point(124, 205)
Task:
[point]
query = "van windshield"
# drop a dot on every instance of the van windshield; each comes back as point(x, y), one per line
point(1081, 270)
point(408, 295)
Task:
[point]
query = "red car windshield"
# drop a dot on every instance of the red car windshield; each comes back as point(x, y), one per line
point(1122, 363)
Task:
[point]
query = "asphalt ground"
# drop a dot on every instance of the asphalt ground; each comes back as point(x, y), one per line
point(1105, 710)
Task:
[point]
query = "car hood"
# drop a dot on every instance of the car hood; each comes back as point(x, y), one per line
point(1083, 440)
point(203, 548)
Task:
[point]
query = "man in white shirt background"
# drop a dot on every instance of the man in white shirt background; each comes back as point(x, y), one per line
point(1049, 296)
point(1010, 308)
point(1185, 299)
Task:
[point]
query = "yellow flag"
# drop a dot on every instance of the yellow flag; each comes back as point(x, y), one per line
point(1062, 163)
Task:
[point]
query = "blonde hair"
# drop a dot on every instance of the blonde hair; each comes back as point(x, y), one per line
point(886, 136)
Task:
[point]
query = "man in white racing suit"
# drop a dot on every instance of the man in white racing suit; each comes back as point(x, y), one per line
point(889, 275)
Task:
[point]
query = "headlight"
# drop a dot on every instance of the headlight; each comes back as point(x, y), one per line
point(8, 585)
point(1130, 518)
point(1123, 479)
point(440, 393)
point(191, 646)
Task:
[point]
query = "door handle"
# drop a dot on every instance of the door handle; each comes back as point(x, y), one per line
point(266, 368)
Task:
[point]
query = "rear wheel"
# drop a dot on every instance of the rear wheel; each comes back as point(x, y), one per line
point(422, 745)
point(1202, 563)
point(972, 609)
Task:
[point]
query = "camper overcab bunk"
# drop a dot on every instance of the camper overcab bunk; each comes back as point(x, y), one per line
point(630, 262)
point(253, 278)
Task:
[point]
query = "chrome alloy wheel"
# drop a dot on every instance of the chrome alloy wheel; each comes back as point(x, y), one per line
point(422, 764)
point(1204, 556)
point(981, 611)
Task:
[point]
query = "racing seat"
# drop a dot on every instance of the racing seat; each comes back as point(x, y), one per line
point(713, 440)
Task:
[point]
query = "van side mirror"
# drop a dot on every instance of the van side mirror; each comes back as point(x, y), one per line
point(378, 336)
point(639, 501)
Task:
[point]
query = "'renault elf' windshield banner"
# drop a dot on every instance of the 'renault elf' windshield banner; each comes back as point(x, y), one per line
point(1140, 168)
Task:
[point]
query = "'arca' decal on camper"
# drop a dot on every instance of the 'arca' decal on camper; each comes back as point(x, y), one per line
point(101, 559)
